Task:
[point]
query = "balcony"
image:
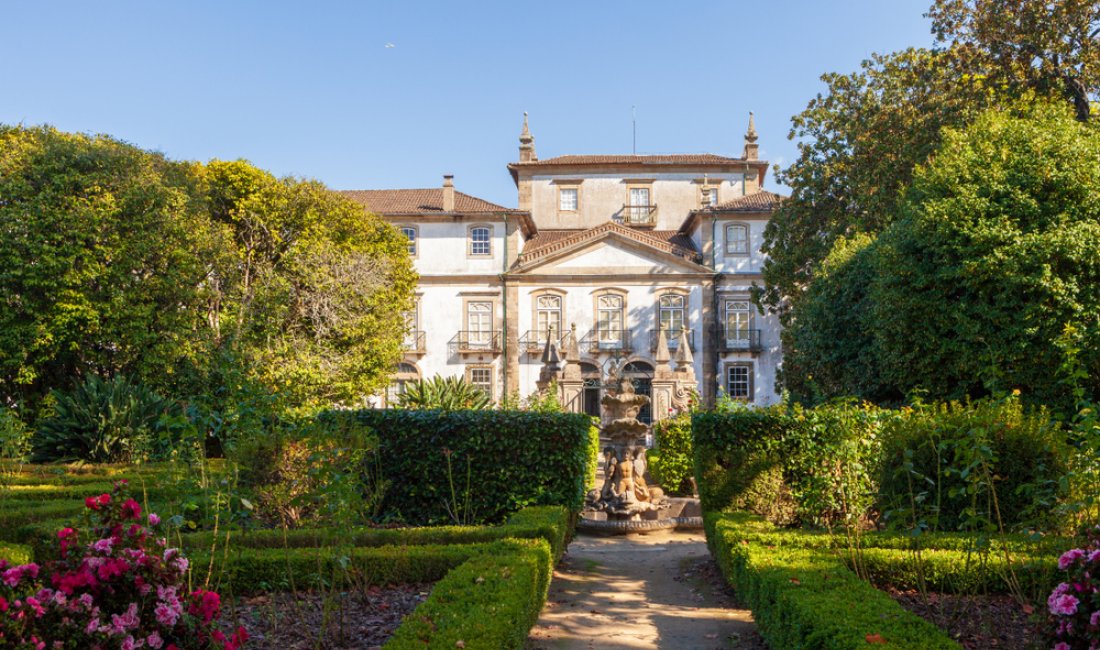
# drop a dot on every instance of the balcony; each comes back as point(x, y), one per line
point(477, 342)
point(534, 341)
point(739, 340)
point(607, 340)
point(414, 342)
point(639, 216)
point(673, 337)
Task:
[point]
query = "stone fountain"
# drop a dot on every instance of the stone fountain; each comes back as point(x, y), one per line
point(625, 503)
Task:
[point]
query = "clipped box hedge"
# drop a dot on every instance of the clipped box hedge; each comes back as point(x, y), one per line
point(510, 459)
point(807, 598)
point(491, 601)
point(550, 523)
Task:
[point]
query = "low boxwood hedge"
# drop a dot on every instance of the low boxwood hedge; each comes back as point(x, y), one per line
point(546, 522)
point(491, 601)
point(961, 572)
point(806, 598)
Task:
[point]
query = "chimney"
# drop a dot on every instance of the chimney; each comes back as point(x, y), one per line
point(448, 193)
point(526, 143)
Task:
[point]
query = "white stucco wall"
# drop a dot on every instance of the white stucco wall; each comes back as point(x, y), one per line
point(443, 247)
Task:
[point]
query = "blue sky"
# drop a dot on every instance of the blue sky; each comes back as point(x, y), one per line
point(376, 95)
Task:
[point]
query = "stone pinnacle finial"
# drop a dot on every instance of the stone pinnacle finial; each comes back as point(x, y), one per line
point(526, 143)
point(572, 350)
point(662, 355)
point(752, 150)
point(684, 358)
point(550, 356)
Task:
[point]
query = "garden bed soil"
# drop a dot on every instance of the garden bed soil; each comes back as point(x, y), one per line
point(996, 621)
point(350, 620)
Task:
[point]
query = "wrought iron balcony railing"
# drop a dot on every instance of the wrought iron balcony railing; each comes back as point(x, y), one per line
point(534, 341)
point(599, 340)
point(414, 342)
point(673, 338)
point(738, 340)
point(637, 215)
point(477, 341)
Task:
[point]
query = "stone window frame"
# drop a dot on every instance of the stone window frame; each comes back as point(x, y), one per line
point(727, 370)
point(414, 241)
point(711, 190)
point(415, 312)
point(563, 184)
point(677, 291)
point(604, 291)
point(470, 254)
point(723, 322)
point(468, 377)
point(726, 239)
point(493, 310)
point(638, 184)
point(547, 291)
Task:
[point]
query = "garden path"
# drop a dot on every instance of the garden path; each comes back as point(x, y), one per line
point(659, 590)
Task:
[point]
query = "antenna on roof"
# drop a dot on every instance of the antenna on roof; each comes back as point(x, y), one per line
point(634, 130)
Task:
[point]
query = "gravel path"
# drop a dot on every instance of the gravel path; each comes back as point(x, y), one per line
point(660, 590)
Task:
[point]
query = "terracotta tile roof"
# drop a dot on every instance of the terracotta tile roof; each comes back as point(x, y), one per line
point(425, 201)
point(762, 201)
point(550, 241)
point(659, 159)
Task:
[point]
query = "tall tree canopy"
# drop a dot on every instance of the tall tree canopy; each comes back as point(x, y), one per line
point(115, 260)
point(996, 250)
point(860, 140)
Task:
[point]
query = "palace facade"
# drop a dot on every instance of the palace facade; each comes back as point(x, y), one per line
point(608, 250)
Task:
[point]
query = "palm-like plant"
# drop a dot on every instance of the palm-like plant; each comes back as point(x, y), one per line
point(445, 393)
point(104, 421)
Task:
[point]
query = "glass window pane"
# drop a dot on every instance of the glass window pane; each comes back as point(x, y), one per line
point(737, 239)
point(479, 241)
point(569, 199)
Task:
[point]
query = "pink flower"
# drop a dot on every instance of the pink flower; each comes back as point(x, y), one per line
point(1094, 620)
point(1069, 557)
point(1062, 645)
point(166, 616)
point(103, 545)
point(1064, 605)
point(154, 520)
point(154, 641)
point(131, 509)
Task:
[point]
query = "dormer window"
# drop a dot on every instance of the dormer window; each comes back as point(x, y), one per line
point(737, 239)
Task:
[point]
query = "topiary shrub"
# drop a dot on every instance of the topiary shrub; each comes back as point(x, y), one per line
point(671, 462)
point(108, 421)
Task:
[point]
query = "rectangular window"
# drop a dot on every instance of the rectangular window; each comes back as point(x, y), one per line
point(411, 322)
point(479, 324)
point(568, 199)
point(479, 241)
point(737, 239)
point(739, 381)
point(609, 321)
point(548, 317)
point(411, 234)
point(481, 378)
point(671, 315)
point(738, 323)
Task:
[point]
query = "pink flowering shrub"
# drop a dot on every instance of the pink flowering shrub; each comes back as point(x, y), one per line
point(1074, 605)
point(116, 586)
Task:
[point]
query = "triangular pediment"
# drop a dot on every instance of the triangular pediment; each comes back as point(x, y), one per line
point(610, 248)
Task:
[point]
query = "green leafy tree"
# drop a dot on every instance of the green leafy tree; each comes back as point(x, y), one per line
point(311, 293)
point(997, 249)
point(103, 256)
point(1049, 46)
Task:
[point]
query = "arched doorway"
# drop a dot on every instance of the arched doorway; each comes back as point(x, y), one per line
point(640, 374)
